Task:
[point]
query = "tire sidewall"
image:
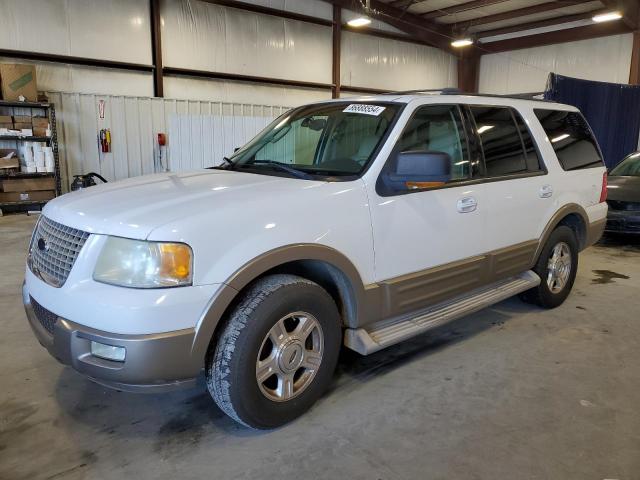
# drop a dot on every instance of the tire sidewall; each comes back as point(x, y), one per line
point(249, 402)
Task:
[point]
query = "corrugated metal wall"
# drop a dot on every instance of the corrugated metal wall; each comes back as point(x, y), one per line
point(199, 133)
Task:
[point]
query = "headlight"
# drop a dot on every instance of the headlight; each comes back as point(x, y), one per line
point(140, 264)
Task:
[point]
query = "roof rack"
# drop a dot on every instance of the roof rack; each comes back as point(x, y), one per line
point(455, 91)
point(441, 91)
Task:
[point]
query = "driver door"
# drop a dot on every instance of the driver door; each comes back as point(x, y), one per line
point(429, 241)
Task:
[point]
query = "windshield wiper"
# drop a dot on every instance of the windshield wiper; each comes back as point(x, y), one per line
point(229, 165)
point(281, 166)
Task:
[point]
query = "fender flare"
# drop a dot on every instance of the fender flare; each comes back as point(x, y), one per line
point(253, 269)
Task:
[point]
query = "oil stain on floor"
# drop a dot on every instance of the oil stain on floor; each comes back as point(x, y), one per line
point(607, 276)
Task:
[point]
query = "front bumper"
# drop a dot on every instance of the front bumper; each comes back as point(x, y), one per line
point(153, 363)
point(620, 221)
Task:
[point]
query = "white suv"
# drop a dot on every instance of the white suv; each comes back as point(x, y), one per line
point(360, 222)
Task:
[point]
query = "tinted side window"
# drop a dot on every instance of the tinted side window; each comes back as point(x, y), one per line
point(501, 142)
point(571, 138)
point(438, 128)
point(533, 160)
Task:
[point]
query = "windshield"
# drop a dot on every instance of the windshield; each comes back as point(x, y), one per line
point(630, 166)
point(332, 139)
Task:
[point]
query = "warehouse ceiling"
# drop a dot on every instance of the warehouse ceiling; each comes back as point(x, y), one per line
point(491, 21)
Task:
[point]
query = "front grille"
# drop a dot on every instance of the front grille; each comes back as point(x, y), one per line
point(46, 318)
point(54, 249)
point(628, 206)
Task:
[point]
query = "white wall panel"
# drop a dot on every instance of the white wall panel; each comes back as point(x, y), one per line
point(113, 30)
point(203, 36)
point(395, 65)
point(237, 92)
point(313, 8)
point(606, 59)
point(78, 79)
point(199, 133)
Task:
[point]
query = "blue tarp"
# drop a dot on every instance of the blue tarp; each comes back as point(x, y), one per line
point(612, 110)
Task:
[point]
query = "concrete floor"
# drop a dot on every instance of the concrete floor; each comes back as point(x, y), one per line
point(513, 392)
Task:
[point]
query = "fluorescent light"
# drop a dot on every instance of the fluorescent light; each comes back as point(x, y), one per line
point(462, 42)
point(461, 162)
point(607, 17)
point(484, 128)
point(560, 137)
point(359, 22)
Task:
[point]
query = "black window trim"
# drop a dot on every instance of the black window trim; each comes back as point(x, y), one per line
point(475, 153)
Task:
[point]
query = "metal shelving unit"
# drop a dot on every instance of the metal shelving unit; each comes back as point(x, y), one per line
point(46, 109)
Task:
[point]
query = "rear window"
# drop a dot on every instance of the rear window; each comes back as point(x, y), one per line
point(571, 138)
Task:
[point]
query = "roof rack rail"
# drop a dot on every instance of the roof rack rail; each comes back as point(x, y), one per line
point(441, 91)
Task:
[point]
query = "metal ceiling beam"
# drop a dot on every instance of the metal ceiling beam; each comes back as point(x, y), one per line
point(462, 7)
point(276, 12)
point(628, 8)
point(538, 24)
point(429, 32)
point(559, 36)
point(520, 12)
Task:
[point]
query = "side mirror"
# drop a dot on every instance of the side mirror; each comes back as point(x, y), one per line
point(419, 169)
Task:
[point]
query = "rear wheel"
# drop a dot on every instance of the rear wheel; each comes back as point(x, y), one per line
point(277, 352)
point(556, 267)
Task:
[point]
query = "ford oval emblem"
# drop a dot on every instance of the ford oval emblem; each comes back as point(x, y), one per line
point(42, 245)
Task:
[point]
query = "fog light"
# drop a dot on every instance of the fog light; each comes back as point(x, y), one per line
point(108, 352)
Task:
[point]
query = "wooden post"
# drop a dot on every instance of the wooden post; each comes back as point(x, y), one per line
point(337, 34)
point(634, 71)
point(469, 71)
point(156, 47)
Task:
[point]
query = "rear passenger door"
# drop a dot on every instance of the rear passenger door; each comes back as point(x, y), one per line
point(519, 193)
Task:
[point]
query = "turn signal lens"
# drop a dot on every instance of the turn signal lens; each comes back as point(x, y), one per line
point(176, 260)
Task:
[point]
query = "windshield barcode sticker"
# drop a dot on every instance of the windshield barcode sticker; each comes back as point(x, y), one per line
point(365, 109)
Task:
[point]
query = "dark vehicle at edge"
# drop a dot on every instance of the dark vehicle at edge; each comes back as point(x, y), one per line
point(623, 196)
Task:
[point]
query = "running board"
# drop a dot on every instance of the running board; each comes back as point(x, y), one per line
point(389, 332)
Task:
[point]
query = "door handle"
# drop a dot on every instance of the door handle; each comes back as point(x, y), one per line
point(467, 204)
point(546, 191)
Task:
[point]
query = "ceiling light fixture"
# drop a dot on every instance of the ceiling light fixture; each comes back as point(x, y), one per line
point(359, 22)
point(559, 138)
point(607, 17)
point(462, 42)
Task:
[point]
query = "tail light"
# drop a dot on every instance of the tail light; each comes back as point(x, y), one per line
point(603, 192)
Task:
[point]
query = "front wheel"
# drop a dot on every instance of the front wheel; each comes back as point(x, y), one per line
point(556, 267)
point(277, 352)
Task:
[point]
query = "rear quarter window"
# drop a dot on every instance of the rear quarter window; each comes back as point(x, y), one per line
point(571, 139)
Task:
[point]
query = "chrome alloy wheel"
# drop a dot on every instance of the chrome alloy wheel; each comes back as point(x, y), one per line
point(559, 267)
point(290, 356)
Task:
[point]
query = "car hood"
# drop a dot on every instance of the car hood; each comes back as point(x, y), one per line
point(623, 189)
point(133, 208)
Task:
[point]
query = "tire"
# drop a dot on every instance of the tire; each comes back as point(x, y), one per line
point(285, 324)
point(550, 294)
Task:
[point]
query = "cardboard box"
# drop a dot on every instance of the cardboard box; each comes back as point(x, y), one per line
point(22, 119)
point(6, 119)
point(39, 131)
point(28, 184)
point(38, 122)
point(38, 196)
point(16, 80)
point(13, 162)
point(8, 126)
point(20, 125)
